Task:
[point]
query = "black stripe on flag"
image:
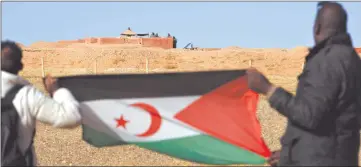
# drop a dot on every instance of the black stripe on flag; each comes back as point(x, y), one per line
point(94, 87)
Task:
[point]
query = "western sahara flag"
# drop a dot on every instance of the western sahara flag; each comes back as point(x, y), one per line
point(204, 117)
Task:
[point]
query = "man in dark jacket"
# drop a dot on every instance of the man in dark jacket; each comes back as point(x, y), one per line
point(323, 126)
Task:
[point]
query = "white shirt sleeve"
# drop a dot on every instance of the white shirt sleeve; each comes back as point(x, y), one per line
point(61, 111)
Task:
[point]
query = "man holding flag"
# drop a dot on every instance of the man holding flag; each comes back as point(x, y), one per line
point(22, 105)
point(323, 117)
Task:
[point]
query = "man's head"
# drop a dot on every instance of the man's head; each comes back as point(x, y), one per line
point(11, 55)
point(331, 19)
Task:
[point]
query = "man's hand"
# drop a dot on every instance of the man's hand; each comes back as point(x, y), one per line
point(275, 157)
point(258, 82)
point(51, 84)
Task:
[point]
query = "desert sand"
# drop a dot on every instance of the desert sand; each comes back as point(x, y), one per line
point(65, 147)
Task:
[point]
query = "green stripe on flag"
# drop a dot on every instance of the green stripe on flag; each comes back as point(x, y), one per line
point(201, 148)
point(204, 149)
point(99, 139)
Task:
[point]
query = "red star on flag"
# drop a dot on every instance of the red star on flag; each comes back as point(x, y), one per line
point(121, 122)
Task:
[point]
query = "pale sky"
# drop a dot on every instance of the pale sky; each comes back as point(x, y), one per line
point(205, 24)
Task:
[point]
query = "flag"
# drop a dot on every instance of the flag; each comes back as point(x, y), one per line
point(204, 117)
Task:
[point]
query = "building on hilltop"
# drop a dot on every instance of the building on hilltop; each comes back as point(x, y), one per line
point(132, 38)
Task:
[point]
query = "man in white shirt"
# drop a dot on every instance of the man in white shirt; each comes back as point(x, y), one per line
point(60, 111)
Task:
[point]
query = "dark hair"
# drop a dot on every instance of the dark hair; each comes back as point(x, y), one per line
point(322, 3)
point(339, 20)
point(11, 55)
point(15, 50)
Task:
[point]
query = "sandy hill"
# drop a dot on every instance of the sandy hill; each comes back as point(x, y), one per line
point(58, 57)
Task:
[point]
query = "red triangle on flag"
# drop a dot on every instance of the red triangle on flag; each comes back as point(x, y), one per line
point(229, 114)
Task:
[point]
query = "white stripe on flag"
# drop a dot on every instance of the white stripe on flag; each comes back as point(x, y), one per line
point(139, 120)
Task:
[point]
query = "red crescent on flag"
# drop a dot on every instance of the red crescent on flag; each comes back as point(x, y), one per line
point(156, 120)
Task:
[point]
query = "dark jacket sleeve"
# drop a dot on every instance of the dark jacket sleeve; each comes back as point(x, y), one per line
point(317, 94)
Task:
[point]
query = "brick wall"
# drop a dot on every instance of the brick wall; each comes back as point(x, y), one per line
point(91, 40)
point(118, 41)
point(165, 43)
point(358, 50)
point(71, 41)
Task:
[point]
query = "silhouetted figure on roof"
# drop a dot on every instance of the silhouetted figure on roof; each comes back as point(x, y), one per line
point(174, 42)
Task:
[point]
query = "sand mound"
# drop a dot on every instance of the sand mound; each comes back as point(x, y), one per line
point(232, 48)
point(105, 57)
point(298, 51)
point(48, 45)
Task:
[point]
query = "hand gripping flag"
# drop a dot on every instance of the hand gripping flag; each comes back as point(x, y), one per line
point(204, 117)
